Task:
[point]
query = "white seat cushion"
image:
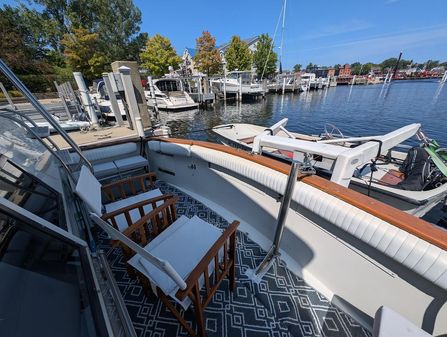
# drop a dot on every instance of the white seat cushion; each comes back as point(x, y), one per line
point(134, 214)
point(388, 323)
point(88, 189)
point(183, 244)
point(105, 169)
point(131, 163)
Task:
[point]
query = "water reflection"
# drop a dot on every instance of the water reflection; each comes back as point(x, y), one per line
point(356, 110)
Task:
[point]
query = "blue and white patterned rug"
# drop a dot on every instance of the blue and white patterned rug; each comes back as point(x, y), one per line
point(282, 305)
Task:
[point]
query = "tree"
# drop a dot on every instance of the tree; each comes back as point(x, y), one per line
point(207, 58)
point(356, 68)
point(297, 67)
point(22, 50)
point(117, 23)
point(238, 55)
point(159, 55)
point(310, 67)
point(264, 58)
point(81, 53)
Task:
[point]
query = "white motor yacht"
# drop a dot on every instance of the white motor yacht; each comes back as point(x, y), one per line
point(170, 95)
point(238, 82)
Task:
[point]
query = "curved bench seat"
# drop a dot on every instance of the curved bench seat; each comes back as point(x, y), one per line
point(420, 256)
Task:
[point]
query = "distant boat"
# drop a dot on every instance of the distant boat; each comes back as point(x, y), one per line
point(170, 95)
point(232, 85)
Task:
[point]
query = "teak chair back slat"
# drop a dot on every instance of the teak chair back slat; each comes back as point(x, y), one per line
point(129, 186)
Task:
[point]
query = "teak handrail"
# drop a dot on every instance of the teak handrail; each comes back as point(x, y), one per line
point(407, 222)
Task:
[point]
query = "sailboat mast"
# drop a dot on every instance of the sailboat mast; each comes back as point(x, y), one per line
point(282, 35)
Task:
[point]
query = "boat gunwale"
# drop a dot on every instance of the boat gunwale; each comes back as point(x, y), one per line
point(407, 222)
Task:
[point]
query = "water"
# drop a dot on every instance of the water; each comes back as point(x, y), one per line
point(356, 111)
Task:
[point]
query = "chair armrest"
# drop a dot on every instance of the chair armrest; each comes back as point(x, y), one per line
point(133, 184)
point(212, 254)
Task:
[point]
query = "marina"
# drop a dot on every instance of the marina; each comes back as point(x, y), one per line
point(211, 185)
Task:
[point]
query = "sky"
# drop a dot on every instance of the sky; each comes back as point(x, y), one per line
point(324, 32)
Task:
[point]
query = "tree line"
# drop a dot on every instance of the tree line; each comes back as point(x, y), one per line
point(49, 39)
point(159, 54)
point(358, 68)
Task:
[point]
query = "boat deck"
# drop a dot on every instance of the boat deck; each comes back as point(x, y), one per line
point(281, 305)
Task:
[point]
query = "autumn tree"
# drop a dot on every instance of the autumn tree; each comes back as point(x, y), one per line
point(238, 55)
point(207, 58)
point(264, 58)
point(159, 55)
point(81, 53)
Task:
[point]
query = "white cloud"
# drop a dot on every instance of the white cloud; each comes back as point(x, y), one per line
point(375, 48)
point(410, 38)
point(344, 27)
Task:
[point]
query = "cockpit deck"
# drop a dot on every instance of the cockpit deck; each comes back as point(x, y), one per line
point(281, 305)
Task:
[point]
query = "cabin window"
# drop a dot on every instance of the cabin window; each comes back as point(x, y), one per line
point(43, 290)
point(30, 193)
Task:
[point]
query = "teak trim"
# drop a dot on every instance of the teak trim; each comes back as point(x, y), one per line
point(393, 216)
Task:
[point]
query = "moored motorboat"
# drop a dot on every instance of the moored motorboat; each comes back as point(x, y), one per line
point(170, 95)
point(382, 176)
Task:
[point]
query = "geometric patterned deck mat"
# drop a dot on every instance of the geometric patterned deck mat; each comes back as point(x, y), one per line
point(282, 305)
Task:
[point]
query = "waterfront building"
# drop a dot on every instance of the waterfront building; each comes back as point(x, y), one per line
point(345, 71)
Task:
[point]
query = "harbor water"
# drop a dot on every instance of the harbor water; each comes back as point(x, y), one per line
point(356, 110)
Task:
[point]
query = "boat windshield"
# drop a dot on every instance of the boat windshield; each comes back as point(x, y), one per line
point(168, 85)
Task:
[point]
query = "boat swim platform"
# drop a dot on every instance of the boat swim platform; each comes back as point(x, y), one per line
point(281, 305)
point(96, 135)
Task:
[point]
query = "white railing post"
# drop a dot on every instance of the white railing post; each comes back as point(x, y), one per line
point(113, 102)
point(85, 98)
point(131, 100)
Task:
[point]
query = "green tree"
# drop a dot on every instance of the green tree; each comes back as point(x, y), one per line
point(207, 58)
point(117, 23)
point(297, 67)
point(264, 58)
point(310, 67)
point(20, 48)
point(238, 55)
point(159, 55)
point(356, 68)
point(81, 53)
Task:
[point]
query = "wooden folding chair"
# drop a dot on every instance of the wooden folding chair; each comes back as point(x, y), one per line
point(177, 257)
